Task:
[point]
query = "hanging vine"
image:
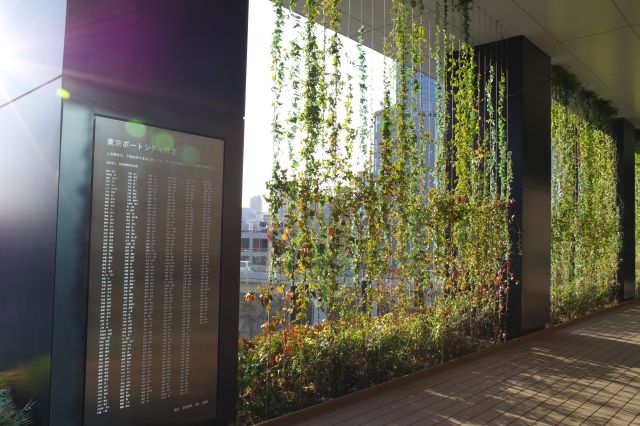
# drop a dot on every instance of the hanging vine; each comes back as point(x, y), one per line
point(637, 207)
point(585, 214)
point(384, 260)
point(464, 10)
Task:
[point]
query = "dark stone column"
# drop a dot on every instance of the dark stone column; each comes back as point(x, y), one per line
point(173, 64)
point(625, 144)
point(30, 143)
point(528, 113)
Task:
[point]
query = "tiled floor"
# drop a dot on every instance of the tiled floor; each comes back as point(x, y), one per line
point(587, 373)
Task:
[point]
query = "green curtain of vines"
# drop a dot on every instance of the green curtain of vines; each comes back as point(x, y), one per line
point(585, 215)
point(637, 203)
point(407, 262)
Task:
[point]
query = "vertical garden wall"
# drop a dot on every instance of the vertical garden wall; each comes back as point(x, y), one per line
point(637, 201)
point(586, 239)
point(407, 262)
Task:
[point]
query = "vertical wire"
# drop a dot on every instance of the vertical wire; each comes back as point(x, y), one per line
point(483, 73)
point(384, 55)
point(373, 126)
point(361, 15)
point(384, 25)
point(349, 20)
point(420, 74)
point(474, 23)
point(429, 100)
point(362, 125)
point(426, 117)
point(451, 104)
point(486, 29)
point(478, 25)
point(471, 23)
point(430, 77)
point(432, 87)
point(361, 21)
point(507, 96)
point(498, 73)
point(499, 63)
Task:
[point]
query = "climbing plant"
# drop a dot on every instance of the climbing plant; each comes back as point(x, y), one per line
point(10, 415)
point(637, 206)
point(463, 9)
point(382, 262)
point(585, 214)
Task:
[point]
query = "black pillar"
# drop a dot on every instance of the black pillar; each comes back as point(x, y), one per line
point(625, 143)
point(528, 114)
point(30, 143)
point(172, 64)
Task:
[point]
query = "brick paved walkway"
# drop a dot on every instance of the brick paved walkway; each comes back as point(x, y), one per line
point(586, 373)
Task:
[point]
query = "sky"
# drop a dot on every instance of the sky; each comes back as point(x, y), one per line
point(258, 109)
point(257, 117)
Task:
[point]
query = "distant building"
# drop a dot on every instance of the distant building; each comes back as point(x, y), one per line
point(428, 105)
point(254, 264)
point(254, 248)
point(254, 257)
point(255, 204)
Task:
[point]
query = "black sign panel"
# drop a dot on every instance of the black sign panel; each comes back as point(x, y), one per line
point(152, 326)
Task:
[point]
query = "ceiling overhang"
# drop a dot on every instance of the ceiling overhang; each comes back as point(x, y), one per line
point(597, 40)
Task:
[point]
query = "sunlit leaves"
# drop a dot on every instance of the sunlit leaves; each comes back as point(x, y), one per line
point(405, 261)
point(585, 213)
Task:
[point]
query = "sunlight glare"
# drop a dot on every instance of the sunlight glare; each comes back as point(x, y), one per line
point(7, 55)
point(63, 93)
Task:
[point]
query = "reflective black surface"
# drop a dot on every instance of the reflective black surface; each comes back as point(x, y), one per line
point(529, 134)
point(625, 143)
point(176, 65)
point(152, 332)
point(29, 145)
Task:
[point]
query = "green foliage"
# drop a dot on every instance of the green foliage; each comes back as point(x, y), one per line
point(637, 209)
point(409, 263)
point(306, 364)
point(9, 414)
point(585, 215)
point(463, 8)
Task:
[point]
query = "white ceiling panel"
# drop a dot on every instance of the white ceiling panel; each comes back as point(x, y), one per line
point(624, 108)
point(630, 9)
point(612, 52)
point(569, 19)
point(513, 18)
point(371, 12)
point(560, 55)
point(626, 86)
point(597, 40)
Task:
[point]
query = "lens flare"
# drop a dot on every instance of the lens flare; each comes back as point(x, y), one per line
point(163, 141)
point(189, 154)
point(135, 128)
point(63, 93)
